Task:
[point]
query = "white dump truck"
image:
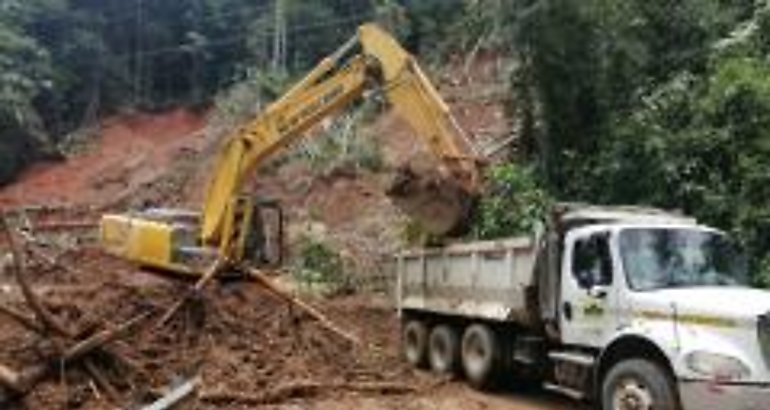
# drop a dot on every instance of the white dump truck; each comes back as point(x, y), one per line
point(630, 308)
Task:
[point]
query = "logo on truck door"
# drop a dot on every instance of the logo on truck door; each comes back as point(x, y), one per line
point(593, 309)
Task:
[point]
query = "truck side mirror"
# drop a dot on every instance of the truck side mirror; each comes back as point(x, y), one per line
point(598, 292)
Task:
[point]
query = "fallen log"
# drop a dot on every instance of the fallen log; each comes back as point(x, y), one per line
point(217, 267)
point(22, 382)
point(314, 313)
point(10, 379)
point(101, 338)
point(49, 208)
point(101, 380)
point(46, 324)
point(51, 261)
point(64, 226)
point(24, 320)
point(42, 313)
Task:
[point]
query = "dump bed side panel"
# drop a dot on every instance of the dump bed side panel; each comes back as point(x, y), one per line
point(486, 280)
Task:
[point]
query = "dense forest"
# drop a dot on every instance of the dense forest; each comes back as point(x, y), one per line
point(66, 63)
point(655, 102)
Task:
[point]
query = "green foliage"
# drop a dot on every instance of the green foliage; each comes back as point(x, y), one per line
point(18, 146)
point(24, 70)
point(319, 267)
point(664, 104)
point(25, 73)
point(427, 24)
point(762, 279)
point(586, 63)
point(699, 144)
point(513, 204)
point(247, 98)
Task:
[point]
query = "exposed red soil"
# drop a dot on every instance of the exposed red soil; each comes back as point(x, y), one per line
point(130, 150)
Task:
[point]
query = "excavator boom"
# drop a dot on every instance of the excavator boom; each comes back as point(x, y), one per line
point(370, 60)
point(331, 86)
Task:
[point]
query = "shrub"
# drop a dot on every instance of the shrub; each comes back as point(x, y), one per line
point(762, 277)
point(320, 268)
point(514, 203)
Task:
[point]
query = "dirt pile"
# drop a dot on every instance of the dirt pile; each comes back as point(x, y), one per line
point(238, 338)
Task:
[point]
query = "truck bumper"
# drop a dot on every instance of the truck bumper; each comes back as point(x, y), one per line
point(699, 395)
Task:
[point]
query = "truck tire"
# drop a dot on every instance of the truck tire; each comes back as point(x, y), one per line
point(638, 384)
point(414, 342)
point(444, 350)
point(480, 354)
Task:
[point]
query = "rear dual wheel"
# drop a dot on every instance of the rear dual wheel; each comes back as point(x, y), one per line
point(414, 342)
point(481, 355)
point(438, 348)
point(478, 352)
point(444, 350)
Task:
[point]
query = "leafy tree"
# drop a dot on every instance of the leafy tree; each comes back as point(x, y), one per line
point(586, 63)
point(25, 72)
point(660, 103)
point(513, 204)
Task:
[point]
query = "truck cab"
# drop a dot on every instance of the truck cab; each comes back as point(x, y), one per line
point(631, 308)
point(679, 292)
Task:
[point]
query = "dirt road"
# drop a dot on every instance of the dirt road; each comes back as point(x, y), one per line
point(373, 319)
point(453, 396)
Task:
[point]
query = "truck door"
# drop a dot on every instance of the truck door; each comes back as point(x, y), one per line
point(589, 300)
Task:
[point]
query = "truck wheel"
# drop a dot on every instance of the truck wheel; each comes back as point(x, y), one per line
point(638, 385)
point(414, 341)
point(444, 350)
point(480, 355)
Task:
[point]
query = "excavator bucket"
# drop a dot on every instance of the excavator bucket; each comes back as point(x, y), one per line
point(438, 203)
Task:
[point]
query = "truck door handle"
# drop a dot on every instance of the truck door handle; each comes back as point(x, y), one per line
point(567, 308)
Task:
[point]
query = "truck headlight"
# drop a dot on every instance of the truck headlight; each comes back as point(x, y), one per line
point(717, 366)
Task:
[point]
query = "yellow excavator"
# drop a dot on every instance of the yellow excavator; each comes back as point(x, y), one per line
point(240, 229)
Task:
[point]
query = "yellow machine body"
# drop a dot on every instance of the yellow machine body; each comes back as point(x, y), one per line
point(144, 241)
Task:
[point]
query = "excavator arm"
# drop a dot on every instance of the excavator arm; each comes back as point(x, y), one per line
point(372, 56)
point(371, 60)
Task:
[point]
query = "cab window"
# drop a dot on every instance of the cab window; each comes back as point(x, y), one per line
point(591, 262)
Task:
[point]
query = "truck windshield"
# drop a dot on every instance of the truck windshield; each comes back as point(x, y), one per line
point(668, 258)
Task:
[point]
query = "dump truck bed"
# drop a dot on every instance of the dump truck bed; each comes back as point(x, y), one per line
point(486, 280)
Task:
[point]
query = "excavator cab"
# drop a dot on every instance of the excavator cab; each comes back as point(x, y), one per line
point(254, 232)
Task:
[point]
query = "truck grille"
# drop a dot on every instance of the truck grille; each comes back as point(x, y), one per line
point(764, 337)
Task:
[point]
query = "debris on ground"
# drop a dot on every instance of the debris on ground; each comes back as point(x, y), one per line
point(106, 338)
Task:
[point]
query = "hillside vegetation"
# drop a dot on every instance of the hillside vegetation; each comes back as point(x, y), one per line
point(652, 102)
point(66, 63)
